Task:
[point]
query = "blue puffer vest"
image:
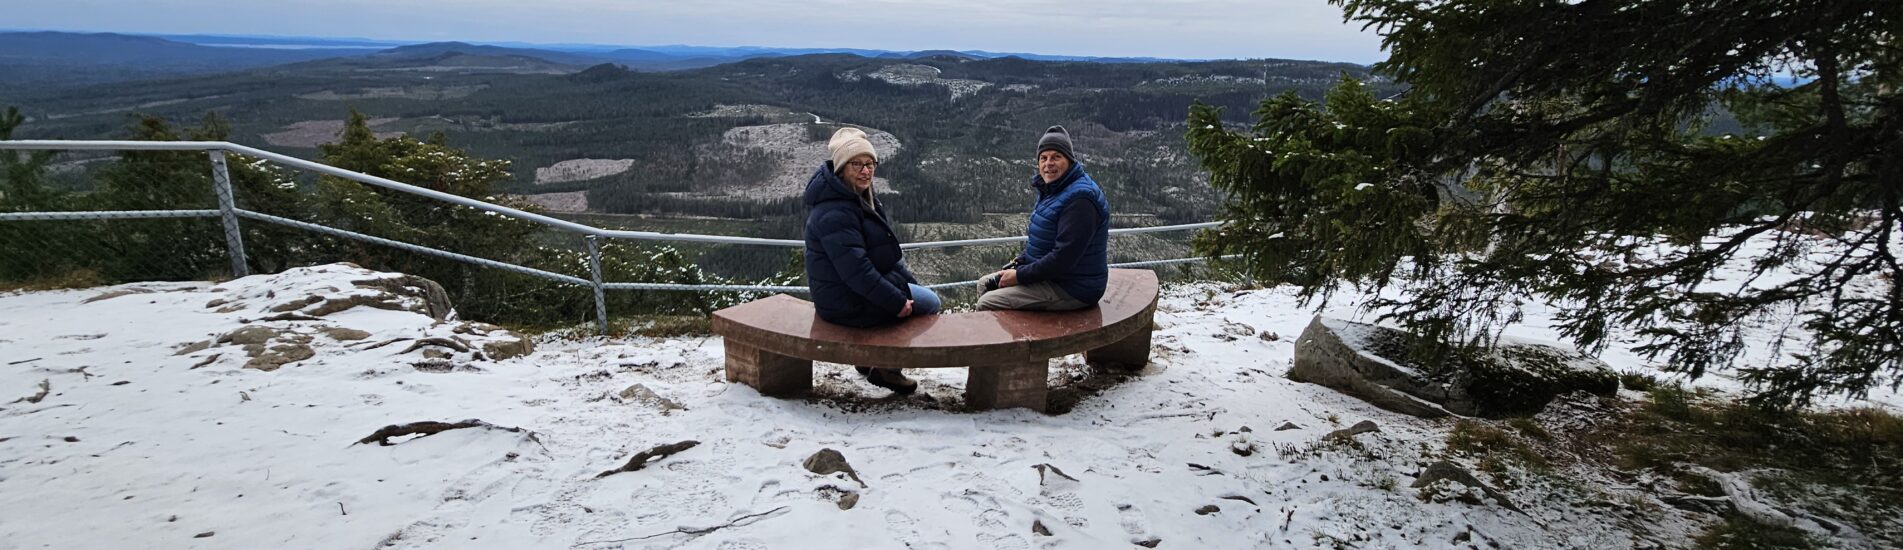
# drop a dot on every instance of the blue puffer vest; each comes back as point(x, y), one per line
point(854, 266)
point(1086, 281)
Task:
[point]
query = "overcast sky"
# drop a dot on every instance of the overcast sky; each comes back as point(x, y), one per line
point(1293, 29)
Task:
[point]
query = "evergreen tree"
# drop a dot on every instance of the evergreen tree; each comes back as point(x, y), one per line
point(1557, 150)
point(22, 173)
point(31, 250)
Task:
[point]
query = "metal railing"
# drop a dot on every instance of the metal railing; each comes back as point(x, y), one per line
point(230, 215)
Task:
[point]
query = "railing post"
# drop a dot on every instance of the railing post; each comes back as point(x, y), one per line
point(234, 240)
point(601, 299)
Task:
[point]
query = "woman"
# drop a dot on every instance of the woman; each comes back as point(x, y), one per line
point(854, 266)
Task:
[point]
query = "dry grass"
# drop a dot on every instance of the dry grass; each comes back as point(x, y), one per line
point(78, 278)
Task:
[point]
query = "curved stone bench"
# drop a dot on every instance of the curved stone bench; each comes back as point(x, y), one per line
point(771, 343)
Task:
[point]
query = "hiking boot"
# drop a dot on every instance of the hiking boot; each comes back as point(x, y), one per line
point(889, 378)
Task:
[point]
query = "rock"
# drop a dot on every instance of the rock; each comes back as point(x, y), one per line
point(434, 301)
point(1242, 446)
point(437, 354)
point(1237, 329)
point(1208, 509)
point(848, 500)
point(641, 394)
point(513, 345)
point(1350, 432)
point(1149, 543)
point(206, 534)
point(828, 462)
point(476, 328)
point(280, 355)
point(1371, 362)
point(1038, 528)
point(341, 303)
point(249, 335)
point(1444, 471)
point(295, 305)
point(344, 334)
point(1269, 336)
point(216, 303)
point(1286, 426)
point(194, 347)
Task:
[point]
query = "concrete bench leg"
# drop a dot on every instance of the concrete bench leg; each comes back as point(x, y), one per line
point(1021, 384)
point(1132, 352)
point(771, 373)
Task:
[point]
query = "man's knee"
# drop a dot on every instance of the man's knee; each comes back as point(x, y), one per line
point(993, 300)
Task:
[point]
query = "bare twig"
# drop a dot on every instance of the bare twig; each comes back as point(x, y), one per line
point(291, 316)
point(207, 360)
point(428, 427)
point(640, 460)
point(46, 386)
point(25, 361)
point(383, 343)
point(697, 531)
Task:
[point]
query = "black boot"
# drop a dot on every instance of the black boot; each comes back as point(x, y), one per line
point(889, 378)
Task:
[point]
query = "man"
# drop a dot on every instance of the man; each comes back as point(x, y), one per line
point(1065, 264)
point(854, 267)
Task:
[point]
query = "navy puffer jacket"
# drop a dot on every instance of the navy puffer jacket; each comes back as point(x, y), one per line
point(1069, 236)
point(853, 263)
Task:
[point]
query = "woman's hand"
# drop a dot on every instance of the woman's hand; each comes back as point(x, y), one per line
point(907, 312)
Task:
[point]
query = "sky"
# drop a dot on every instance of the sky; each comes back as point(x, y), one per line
point(1184, 29)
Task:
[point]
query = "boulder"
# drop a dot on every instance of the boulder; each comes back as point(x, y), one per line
point(1374, 363)
point(510, 345)
point(1435, 480)
point(434, 301)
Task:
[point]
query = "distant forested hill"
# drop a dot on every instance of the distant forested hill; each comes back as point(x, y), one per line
point(62, 58)
point(737, 140)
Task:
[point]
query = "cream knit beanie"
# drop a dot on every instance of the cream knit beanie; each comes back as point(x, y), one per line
point(848, 143)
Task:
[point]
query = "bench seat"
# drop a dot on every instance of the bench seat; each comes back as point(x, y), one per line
point(771, 343)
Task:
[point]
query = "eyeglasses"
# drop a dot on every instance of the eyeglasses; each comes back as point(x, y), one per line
point(856, 165)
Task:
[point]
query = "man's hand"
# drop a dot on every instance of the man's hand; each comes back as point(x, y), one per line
point(907, 312)
point(1007, 278)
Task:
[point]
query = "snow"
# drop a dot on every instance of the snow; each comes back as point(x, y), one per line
point(267, 459)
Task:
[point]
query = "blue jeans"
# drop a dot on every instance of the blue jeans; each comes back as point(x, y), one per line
point(924, 301)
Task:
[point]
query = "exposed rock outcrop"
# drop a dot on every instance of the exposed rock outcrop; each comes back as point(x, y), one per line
point(1373, 363)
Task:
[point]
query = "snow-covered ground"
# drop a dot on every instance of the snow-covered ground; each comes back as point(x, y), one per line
point(135, 446)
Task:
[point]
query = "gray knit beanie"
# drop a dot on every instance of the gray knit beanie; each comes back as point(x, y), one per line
point(1058, 139)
